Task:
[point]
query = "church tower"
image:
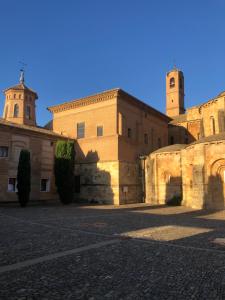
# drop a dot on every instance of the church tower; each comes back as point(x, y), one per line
point(174, 93)
point(20, 104)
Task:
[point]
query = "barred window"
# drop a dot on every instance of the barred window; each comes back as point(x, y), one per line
point(80, 130)
point(45, 185)
point(99, 130)
point(4, 151)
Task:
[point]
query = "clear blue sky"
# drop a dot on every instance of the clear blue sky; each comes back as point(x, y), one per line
point(74, 48)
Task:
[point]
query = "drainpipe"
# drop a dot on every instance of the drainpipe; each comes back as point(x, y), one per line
point(142, 160)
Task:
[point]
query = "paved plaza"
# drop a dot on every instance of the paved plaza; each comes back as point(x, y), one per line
point(104, 252)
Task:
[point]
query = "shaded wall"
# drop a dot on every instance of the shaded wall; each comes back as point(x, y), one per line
point(163, 177)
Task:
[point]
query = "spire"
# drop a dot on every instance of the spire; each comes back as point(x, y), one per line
point(21, 76)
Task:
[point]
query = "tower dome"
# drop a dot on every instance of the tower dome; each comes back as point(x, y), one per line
point(20, 103)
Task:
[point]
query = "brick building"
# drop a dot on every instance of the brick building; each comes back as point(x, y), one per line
point(193, 167)
point(126, 151)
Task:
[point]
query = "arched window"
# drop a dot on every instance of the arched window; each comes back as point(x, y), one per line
point(28, 112)
point(19, 96)
point(14, 96)
point(6, 111)
point(172, 82)
point(16, 111)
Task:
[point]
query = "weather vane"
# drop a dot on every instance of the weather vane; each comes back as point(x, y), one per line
point(174, 64)
point(23, 65)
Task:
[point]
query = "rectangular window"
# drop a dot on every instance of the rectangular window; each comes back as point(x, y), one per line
point(45, 185)
point(77, 184)
point(99, 130)
point(129, 133)
point(4, 151)
point(146, 138)
point(80, 130)
point(159, 143)
point(12, 185)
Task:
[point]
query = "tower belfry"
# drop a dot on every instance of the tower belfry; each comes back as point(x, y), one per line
point(20, 103)
point(175, 93)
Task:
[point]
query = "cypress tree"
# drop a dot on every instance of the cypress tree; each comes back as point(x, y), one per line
point(23, 178)
point(64, 170)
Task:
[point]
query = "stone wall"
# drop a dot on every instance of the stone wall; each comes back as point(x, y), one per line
point(196, 171)
point(130, 178)
point(99, 182)
point(163, 176)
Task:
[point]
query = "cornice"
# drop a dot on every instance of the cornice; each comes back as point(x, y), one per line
point(104, 96)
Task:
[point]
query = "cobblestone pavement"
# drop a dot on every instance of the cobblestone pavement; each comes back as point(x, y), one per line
point(106, 252)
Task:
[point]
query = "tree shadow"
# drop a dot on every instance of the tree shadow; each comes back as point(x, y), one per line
point(92, 180)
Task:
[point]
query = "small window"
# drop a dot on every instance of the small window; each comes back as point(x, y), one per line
point(146, 138)
point(19, 96)
point(172, 82)
point(80, 130)
point(198, 137)
point(99, 130)
point(16, 111)
point(14, 96)
point(77, 184)
point(45, 185)
point(129, 133)
point(4, 151)
point(171, 140)
point(159, 143)
point(28, 112)
point(12, 185)
point(212, 125)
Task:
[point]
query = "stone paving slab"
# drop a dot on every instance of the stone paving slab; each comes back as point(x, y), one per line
point(20, 241)
point(130, 269)
point(104, 252)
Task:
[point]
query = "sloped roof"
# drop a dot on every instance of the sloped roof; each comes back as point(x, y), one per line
point(37, 129)
point(171, 148)
point(21, 87)
point(211, 138)
point(179, 119)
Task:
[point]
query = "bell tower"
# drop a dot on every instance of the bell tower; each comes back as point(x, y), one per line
point(20, 104)
point(174, 93)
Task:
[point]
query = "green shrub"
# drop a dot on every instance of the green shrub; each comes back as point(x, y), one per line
point(174, 201)
point(23, 178)
point(64, 170)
